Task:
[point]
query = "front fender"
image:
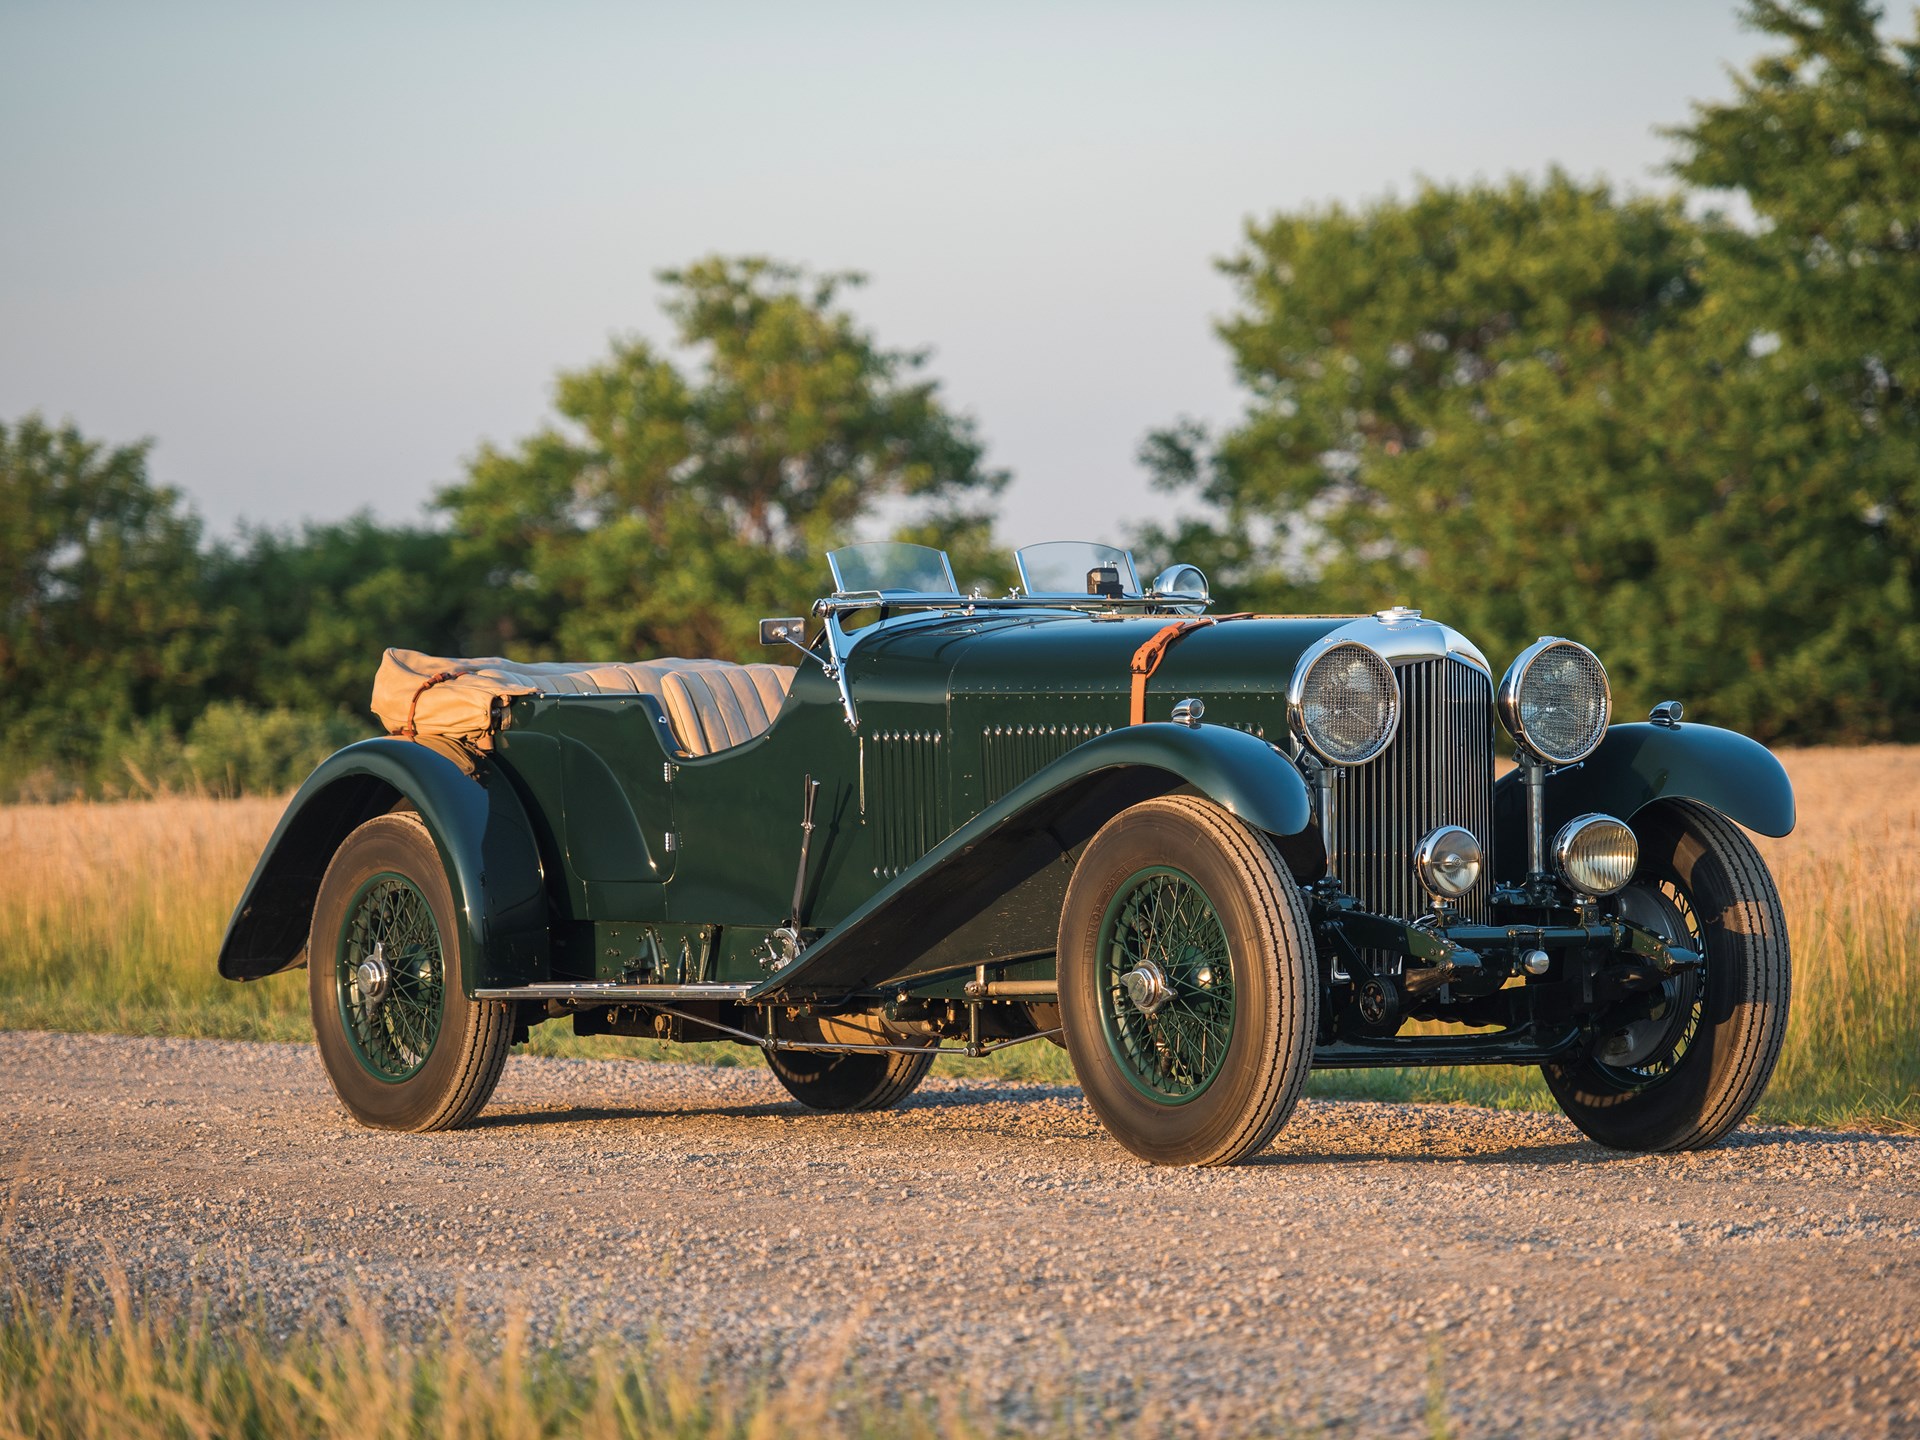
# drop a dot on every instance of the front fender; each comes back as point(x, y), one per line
point(478, 825)
point(1241, 773)
point(1640, 763)
point(993, 889)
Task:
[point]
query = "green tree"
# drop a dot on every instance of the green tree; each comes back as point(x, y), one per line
point(1817, 323)
point(1546, 408)
point(670, 507)
point(1447, 409)
point(103, 620)
point(318, 604)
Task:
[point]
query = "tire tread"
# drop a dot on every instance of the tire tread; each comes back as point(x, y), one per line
point(900, 1075)
point(1768, 981)
point(488, 1037)
point(1756, 1030)
point(1282, 914)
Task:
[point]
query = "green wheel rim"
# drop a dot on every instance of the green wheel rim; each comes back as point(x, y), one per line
point(390, 975)
point(1161, 930)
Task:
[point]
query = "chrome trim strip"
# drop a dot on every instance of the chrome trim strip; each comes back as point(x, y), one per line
point(1403, 635)
point(592, 991)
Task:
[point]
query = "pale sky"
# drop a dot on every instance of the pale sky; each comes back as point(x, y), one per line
point(319, 253)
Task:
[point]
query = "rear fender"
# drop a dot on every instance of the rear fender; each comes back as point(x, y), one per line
point(1640, 763)
point(993, 889)
point(478, 825)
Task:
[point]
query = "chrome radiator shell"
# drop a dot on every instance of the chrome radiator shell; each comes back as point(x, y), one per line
point(1437, 771)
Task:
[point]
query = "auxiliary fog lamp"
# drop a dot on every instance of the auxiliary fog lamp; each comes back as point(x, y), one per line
point(1449, 862)
point(1596, 854)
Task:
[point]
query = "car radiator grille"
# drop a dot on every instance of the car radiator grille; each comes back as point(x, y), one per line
point(1437, 771)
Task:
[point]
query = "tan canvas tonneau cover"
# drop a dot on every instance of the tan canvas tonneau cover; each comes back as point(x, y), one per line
point(711, 704)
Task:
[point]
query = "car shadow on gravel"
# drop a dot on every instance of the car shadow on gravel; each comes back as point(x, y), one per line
point(960, 1097)
point(1412, 1148)
point(1548, 1153)
point(586, 1115)
point(999, 1093)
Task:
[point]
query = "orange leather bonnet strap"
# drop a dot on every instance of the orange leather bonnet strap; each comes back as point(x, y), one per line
point(1147, 658)
point(413, 705)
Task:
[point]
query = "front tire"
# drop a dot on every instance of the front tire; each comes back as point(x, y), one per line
point(1682, 1072)
point(1187, 983)
point(404, 1048)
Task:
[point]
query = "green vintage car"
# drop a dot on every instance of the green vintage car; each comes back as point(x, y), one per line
point(1207, 854)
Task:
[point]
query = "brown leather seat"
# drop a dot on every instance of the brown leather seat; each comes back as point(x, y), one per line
point(711, 704)
point(715, 706)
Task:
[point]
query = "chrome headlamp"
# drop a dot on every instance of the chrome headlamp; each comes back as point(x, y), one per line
point(1596, 854)
point(1344, 702)
point(1554, 699)
point(1449, 862)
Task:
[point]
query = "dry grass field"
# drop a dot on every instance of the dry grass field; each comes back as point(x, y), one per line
point(110, 915)
point(158, 1370)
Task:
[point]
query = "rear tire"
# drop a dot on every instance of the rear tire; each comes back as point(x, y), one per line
point(1685, 1075)
point(843, 1082)
point(1187, 983)
point(404, 1048)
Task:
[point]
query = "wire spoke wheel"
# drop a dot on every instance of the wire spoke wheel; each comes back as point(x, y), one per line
point(1186, 974)
point(404, 1046)
point(390, 974)
point(1166, 984)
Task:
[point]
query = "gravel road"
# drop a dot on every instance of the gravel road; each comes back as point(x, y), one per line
point(987, 1236)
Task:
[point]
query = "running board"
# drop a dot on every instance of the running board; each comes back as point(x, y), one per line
point(595, 991)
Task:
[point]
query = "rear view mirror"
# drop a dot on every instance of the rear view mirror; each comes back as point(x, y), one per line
point(784, 630)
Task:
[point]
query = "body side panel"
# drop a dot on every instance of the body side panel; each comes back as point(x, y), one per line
point(992, 889)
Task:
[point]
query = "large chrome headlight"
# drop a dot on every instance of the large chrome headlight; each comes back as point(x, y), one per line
point(1555, 701)
point(1344, 702)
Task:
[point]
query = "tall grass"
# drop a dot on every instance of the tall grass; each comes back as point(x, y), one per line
point(114, 1364)
point(110, 915)
point(1850, 879)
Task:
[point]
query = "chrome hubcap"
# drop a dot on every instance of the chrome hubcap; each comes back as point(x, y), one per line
point(373, 976)
point(1146, 986)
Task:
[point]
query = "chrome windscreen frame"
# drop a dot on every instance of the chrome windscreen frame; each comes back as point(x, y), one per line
point(840, 642)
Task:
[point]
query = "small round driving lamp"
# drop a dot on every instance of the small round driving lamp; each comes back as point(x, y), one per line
point(1596, 854)
point(1449, 862)
point(1555, 700)
point(1344, 702)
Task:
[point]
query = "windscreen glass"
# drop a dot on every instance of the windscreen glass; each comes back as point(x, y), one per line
point(1061, 567)
point(892, 568)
